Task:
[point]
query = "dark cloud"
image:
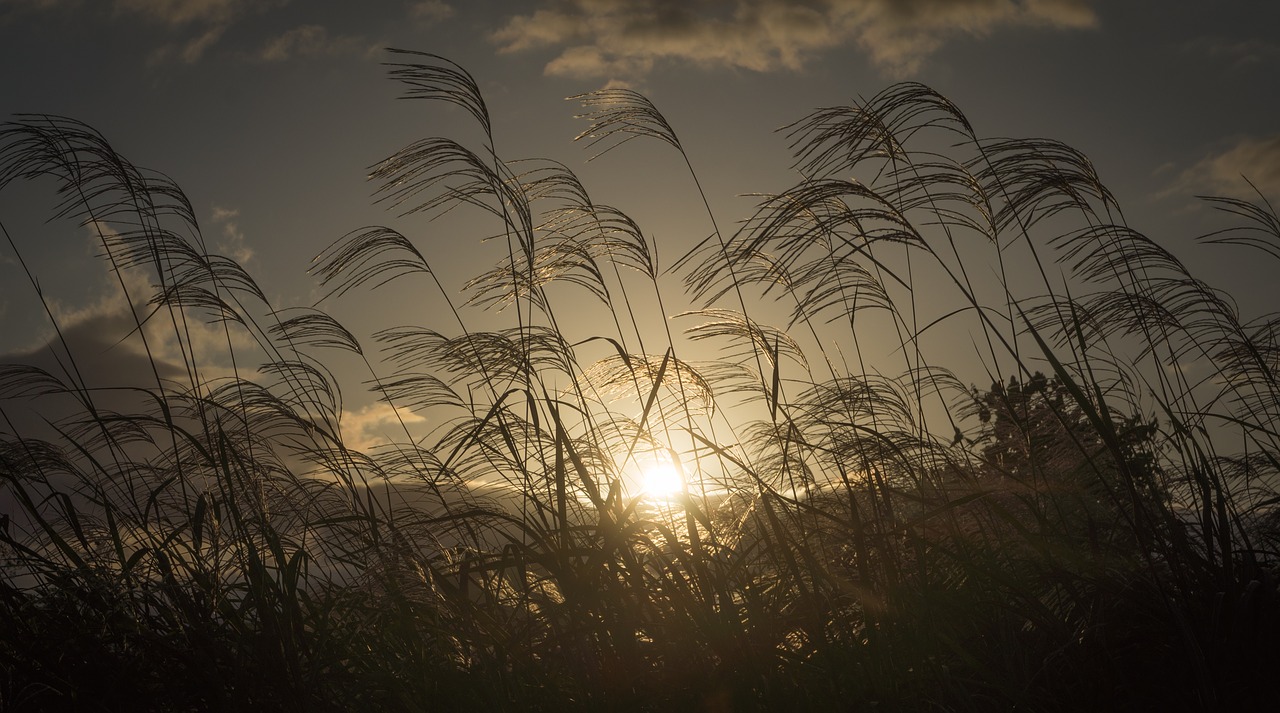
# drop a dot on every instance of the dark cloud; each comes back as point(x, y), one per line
point(625, 38)
point(95, 352)
point(98, 344)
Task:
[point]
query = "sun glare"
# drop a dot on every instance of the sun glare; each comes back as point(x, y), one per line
point(662, 480)
point(658, 477)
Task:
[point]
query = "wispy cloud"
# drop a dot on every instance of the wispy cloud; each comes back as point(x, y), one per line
point(1238, 53)
point(1224, 172)
point(186, 12)
point(309, 42)
point(627, 38)
point(10, 9)
point(193, 49)
point(191, 27)
point(429, 12)
point(202, 22)
point(232, 244)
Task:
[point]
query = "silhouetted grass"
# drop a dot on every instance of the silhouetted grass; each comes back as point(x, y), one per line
point(1096, 530)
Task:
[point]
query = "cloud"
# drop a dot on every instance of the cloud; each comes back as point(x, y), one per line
point(309, 41)
point(1238, 53)
point(233, 244)
point(221, 215)
point(374, 425)
point(178, 13)
point(627, 38)
point(12, 8)
point(102, 335)
point(1224, 172)
point(96, 345)
point(191, 27)
point(429, 12)
point(191, 51)
point(208, 19)
point(104, 345)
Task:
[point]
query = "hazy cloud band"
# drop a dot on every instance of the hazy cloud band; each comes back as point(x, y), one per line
point(626, 38)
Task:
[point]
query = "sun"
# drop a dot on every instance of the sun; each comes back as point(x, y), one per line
point(656, 475)
point(662, 480)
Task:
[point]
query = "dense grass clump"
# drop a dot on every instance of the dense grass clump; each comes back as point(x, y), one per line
point(853, 526)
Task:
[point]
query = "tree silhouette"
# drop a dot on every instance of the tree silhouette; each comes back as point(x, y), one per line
point(1038, 443)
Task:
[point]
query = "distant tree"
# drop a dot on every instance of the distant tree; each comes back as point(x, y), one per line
point(1039, 444)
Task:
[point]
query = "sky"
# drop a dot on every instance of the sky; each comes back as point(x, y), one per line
point(269, 114)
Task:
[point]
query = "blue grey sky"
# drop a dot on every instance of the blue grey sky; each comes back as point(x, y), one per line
point(270, 112)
